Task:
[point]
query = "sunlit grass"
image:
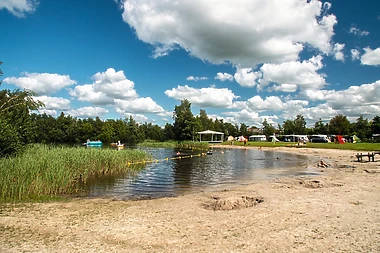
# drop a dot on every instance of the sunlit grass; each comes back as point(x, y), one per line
point(51, 171)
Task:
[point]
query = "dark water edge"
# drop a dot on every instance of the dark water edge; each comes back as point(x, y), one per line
point(175, 177)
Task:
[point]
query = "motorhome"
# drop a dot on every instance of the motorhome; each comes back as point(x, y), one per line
point(257, 138)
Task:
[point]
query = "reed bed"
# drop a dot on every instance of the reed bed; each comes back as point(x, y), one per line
point(49, 171)
point(193, 145)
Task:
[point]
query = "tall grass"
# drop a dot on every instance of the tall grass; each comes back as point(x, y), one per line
point(49, 171)
point(330, 145)
point(193, 145)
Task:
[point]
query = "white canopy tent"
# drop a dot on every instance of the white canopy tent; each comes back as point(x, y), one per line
point(215, 136)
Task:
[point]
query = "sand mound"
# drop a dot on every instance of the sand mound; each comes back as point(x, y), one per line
point(233, 203)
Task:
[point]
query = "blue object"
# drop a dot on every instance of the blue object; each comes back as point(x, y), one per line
point(94, 143)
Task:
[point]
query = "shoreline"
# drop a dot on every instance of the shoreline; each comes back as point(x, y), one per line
point(337, 211)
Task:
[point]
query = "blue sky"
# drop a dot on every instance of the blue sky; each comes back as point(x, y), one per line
point(242, 61)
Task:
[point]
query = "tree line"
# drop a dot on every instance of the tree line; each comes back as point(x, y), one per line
point(20, 126)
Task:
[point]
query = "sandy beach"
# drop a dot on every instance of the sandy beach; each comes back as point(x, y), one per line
point(338, 211)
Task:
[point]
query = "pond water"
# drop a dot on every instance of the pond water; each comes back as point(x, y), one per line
point(201, 173)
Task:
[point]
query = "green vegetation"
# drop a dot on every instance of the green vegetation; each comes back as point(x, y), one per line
point(175, 144)
point(193, 145)
point(158, 144)
point(330, 145)
point(50, 171)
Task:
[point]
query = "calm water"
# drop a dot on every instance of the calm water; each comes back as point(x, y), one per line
point(181, 176)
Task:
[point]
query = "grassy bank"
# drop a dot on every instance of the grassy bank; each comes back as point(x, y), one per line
point(331, 145)
point(50, 171)
point(176, 144)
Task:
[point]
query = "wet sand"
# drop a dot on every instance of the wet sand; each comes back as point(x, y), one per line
point(338, 211)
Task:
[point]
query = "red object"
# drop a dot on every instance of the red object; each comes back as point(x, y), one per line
point(340, 139)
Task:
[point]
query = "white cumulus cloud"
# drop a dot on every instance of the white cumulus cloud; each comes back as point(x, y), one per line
point(54, 103)
point(273, 31)
point(355, 54)
point(224, 77)
point(338, 51)
point(139, 105)
point(41, 83)
point(291, 74)
point(107, 86)
point(358, 32)
point(87, 112)
point(371, 57)
point(19, 7)
point(246, 77)
point(204, 97)
point(196, 78)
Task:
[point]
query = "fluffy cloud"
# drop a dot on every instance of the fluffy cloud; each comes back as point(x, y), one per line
point(204, 97)
point(87, 93)
point(42, 83)
point(358, 32)
point(371, 57)
point(107, 86)
point(139, 105)
point(54, 103)
point(192, 78)
point(224, 77)
point(246, 77)
point(48, 112)
point(88, 112)
point(139, 118)
point(19, 7)
point(273, 31)
point(271, 103)
point(355, 54)
point(363, 98)
point(290, 74)
point(338, 52)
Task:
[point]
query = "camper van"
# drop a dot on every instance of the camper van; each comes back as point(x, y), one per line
point(257, 138)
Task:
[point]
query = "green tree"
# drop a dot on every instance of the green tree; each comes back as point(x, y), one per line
point(375, 126)
point(362, 128)
point(268, 129)
point(320, 128)
point(243, 130)
point(339, 125)
point(168, 132)
point(205, 121)
point(299, 125)
point(16, 121)
point(288, 127)
point(183, 121)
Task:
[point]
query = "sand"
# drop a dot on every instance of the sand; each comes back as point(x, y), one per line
point(338, 211)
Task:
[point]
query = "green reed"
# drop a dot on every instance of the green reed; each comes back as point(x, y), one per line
point(193, 145)
point(49, 171)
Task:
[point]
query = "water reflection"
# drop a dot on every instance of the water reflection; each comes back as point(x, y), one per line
point(179, 176)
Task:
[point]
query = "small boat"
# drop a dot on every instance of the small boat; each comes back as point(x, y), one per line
point(119, 145)
point(209, 152)
point(93, 143)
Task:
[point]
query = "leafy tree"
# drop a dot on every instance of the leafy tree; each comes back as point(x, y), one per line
point(288, 127)
point(339, 125)
point(362, 128)
point(17, 124)
point(183, 121)
point(268, 129)
point(243, 130)
point(231, 129)
point(168, 132)
point(320, 128)
point(299, 125)
point(375, 125)
point(205, 121)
